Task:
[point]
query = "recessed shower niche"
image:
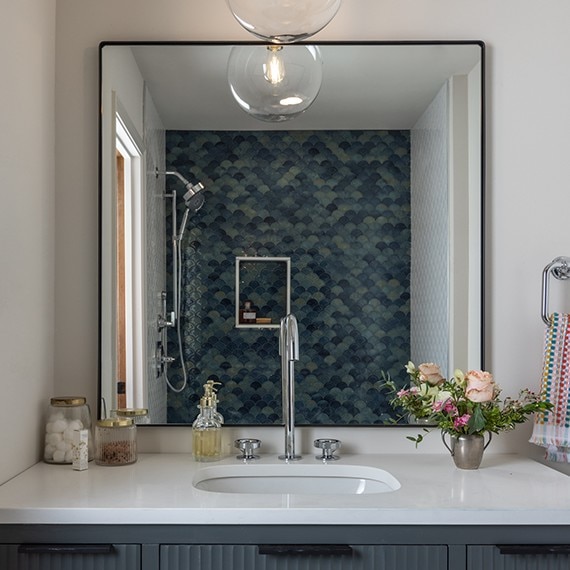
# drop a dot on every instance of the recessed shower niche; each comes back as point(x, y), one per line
point(263, 291)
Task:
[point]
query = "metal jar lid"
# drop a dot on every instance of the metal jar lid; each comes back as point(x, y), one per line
point(63, 401)
point(115, 423)
point(131, 412)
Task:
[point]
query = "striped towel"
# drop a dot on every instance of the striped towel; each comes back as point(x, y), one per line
point(552, 428)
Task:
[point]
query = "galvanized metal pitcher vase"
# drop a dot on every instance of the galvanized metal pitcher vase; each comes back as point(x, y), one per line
point(466, 450)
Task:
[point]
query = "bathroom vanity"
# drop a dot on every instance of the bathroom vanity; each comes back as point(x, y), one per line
point(512, 513)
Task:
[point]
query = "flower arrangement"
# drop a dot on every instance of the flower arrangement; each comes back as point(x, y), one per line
point(467, 403)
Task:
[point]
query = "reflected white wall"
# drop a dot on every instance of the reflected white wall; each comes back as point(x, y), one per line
point(430, 282)
point(155, 255)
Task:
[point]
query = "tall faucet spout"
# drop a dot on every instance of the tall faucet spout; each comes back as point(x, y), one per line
point(289, 351)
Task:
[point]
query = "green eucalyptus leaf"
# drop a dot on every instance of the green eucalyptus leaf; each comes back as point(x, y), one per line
point(477, 420)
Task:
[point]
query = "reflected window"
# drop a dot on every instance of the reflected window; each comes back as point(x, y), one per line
point(129, 266)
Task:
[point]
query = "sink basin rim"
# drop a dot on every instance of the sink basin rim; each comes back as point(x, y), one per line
point(243, 475)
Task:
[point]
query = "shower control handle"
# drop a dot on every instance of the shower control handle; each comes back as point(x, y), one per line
point(161, 359)
point(164, 322)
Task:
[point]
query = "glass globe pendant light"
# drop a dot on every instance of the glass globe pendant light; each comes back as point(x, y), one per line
point(283, 21)
point(273, 82)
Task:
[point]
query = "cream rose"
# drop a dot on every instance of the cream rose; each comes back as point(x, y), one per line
point(430, 373)
point(480, 387)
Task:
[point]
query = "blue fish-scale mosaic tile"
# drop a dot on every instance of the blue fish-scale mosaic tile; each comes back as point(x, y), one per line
point(338, 204)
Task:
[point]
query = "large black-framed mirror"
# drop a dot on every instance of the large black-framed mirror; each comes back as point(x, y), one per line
point(375, 193)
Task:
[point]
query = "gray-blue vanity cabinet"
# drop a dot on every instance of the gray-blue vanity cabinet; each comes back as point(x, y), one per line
point(290, 547)
point(303, 557)
point(518, 557)
point(70, 557)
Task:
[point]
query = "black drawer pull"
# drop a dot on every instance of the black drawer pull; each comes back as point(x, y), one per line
point(65, 548)
point(534, 548)
point(305, 549)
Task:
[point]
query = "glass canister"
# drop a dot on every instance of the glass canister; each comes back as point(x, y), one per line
point(138, 415)
point(65, 414)
point(115, 442)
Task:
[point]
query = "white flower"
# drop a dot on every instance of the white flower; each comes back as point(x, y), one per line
point(442, 396)
point(459, 377)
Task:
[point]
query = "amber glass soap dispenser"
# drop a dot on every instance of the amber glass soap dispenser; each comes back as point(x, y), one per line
point(207, 427)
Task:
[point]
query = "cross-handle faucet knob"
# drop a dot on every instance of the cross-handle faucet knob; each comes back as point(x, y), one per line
point(328, 447)
point(247, 446)
point(164, 322)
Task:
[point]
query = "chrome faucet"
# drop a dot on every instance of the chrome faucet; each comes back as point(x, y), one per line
point(289, 351)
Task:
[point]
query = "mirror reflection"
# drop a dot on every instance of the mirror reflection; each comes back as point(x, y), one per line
point(373, 195)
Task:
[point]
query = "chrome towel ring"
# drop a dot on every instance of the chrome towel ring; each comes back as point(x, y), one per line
point(558, 268)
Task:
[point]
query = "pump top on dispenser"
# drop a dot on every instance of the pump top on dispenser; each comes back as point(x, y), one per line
point(212, 397)
point(207, 427)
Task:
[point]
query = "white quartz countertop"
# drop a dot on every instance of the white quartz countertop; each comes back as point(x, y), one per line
point(506, 489)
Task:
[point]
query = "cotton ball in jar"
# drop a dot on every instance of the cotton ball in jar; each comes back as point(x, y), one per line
point(63, 446)
point(54, 416)
point(59, 426)
point(68, 434)
point(75, 424)
point(53, 438)
point(49, 451)
point(59, 456)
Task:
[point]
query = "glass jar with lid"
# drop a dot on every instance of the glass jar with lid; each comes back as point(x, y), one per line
point(65, 415)
point(115, 442)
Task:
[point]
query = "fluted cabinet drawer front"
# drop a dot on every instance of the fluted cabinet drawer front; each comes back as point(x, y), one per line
point(70, 557)
point(491, 558)
point(247, 557)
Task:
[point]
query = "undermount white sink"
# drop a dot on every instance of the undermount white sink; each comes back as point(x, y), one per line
point(295, 479)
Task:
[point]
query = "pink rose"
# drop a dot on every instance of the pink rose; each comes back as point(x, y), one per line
point(480, 386)
point(430, 373)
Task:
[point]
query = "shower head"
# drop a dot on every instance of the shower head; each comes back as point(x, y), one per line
point(193, 199)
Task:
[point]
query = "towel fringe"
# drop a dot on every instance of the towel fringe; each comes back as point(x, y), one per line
point(552, 427)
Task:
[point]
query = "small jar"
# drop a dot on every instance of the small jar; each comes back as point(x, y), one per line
point(138, 415)
point(115, 442)
point(64, 416)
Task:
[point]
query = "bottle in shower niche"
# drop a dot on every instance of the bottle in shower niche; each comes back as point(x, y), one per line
point(247, 314)
point(207, 428)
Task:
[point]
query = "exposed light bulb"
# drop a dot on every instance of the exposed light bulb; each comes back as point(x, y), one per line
point(274, 69)
point(275, 83)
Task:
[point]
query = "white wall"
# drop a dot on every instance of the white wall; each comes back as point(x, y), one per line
point(27, 45)
point(528, 148)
